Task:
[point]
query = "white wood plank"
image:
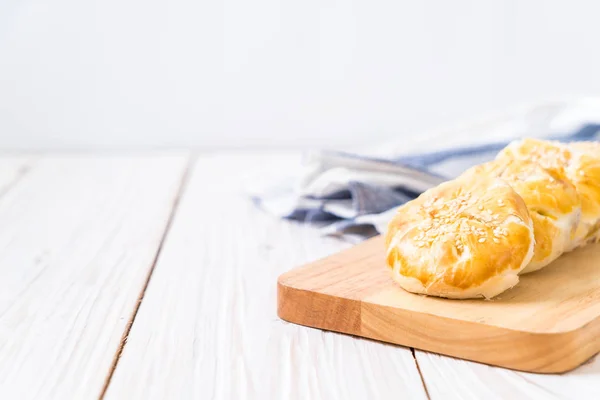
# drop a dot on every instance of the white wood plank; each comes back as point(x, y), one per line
point(449, 378)
point(207, 327)
point(78, 239)
point(13, 168)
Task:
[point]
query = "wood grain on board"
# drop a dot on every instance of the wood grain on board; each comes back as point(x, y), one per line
point(550, 322)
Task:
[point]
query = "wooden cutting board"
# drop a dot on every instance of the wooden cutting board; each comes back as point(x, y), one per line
point(550, 322)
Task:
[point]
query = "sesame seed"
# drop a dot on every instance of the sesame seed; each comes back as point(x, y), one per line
point(496, 240)
point(481, 240)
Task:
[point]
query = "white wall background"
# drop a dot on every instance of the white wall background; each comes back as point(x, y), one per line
point(148, 73)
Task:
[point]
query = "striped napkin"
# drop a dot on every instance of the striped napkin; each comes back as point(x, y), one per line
point(354, 196)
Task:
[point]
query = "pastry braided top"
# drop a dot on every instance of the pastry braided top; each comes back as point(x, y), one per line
point(472, 236)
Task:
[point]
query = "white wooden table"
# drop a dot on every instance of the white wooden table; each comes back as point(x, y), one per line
point(152, 276)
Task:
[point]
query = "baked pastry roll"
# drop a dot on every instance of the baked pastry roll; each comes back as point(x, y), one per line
point(584, 171)
point(553, 204)
point(469, 237)
point(576, 163)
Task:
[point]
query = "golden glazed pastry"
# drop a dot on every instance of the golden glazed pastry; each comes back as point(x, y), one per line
point(553, 204)
point(584, 171)
point(466, 238)
point(576, 163)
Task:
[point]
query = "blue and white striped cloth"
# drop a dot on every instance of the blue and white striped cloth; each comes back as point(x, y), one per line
point(355, 196)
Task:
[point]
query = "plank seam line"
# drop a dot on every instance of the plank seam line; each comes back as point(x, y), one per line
point(176, 201)
point(412, 350)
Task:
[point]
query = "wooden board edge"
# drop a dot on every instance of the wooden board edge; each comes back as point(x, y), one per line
point(545, 353)
point(488, 344)
point(522, 350)
point(318, 310)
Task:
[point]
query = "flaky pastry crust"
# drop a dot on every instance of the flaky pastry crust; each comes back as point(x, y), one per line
point(553, 204)
point(472, 236)
point(577, 163)
point(465, 238)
